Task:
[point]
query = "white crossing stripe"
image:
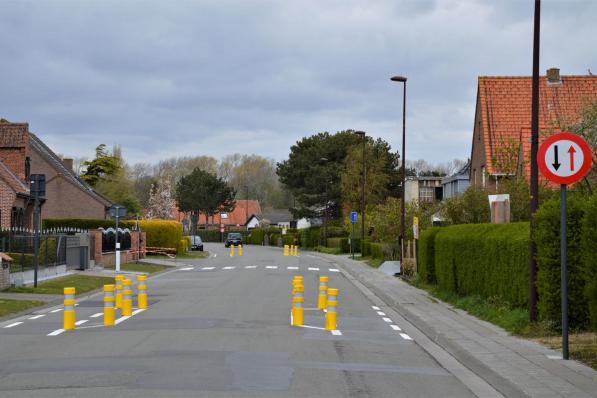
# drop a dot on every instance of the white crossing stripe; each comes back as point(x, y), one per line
point(388, 320)
point(138, 311)
point(292, 268)
point(229, 268)
point(97, 315)
point(12, 325)
point(82, 321)
point(334, 270)
point(208, 268)
point(56, 332)
point(375, 308)
point(405, 336)
point(37, 316)
point(336, 333)
point(271, 266)
point(313, 269)
point(250, 266)
point(187, 269)
point(395, 327)
point(381, 313)
point(56, 310)
point(122, 318)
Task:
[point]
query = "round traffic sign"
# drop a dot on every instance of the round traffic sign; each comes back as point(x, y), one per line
point(564, 158)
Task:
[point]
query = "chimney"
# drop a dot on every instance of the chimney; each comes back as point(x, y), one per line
point(68, 163)
point(553, 76)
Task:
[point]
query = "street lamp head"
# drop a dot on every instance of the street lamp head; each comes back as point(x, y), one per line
point(361, 133)
point(401, 79)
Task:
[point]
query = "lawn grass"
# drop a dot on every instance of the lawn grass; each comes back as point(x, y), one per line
point(187, 255)
point(140, 267)
point(13, 306)
point(81, 283)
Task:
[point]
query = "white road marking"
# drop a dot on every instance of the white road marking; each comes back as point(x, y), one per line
point(91, 326)
point(381, 313)
point(82, 321)
point(12, 325)
point(138, 311)
point(97, 315)
point(271, 266)
point(229, 268)
point(292, 267)
point(311, 327)
point(215, 255)
point(388, 320)
point(375, 308)
point(396, 327)
point(336, 333)
point(313, 269)
point(56, 332)
point(405, 336)
point(37, 316)
point(250, 266)
point(554, 356)
point(56, 310)
point(208, 268)
point(121, 319)
point(334, 270)
point(187, 269)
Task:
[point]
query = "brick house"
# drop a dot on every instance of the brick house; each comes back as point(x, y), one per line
point(243, 210)
point(67, 196)
point(502, 131)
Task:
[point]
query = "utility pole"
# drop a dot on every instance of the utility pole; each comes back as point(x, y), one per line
point(363, 180)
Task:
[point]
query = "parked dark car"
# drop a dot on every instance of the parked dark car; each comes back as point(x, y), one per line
point(196, 243)
point(234, 238)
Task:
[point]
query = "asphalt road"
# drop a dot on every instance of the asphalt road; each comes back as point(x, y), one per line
point(220, 327)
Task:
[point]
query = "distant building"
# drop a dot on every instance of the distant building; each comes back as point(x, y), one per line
point(275, 218)
point(243, 210)
point(423, 189)
point(457, 183)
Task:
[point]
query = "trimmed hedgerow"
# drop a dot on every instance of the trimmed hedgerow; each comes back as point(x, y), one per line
point(162, 233)
point(490, 260)
point(310, 237)
point(426, 255)
point(589, 258)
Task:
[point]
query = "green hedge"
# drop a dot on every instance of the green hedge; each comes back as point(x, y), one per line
point(162, 233)
point(426, 255)
point(334, 243)
point(209, 235)
point(83, 223)
point(256, 236)
point(310, 237)
point(589, 258)
point(490, 260)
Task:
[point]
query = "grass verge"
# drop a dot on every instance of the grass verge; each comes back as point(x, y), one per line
point(187, 255)
point(8, 307)
point(140, 267)
point(81, 283)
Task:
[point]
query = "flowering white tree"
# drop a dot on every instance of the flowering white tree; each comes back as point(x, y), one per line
point(161, 202)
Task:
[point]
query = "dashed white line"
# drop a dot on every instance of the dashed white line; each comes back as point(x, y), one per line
point(37, 316)
point(388, 320)
point(292, 268)
point(97, 315)
point(375, 308)
point(250, 266)
point(215, 255)
point(187, 269)
point(208, 268)
point(271, 266)
point(336, 333)
point(396, 327)
point(12, 325)
point(334, 270)
point(381, 313)
point(405, 336)
point(56, 310)
point(82, 321)
point(56, 332)
point(229, 268)
point(313, 269)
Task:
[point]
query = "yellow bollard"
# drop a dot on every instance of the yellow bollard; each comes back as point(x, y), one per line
point(331, 314)
point(298, 313)
point(296, 251)
point(286, 250)
point(323, 293)
point(231, 250)
point(69, 308)
point(142, 292)
point(119, 278)
point(240, 250)
point(127, 298)
point(109, 310)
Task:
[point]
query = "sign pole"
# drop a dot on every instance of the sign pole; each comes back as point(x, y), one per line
point(352, 241)
point(117, 266)
point(564, 273)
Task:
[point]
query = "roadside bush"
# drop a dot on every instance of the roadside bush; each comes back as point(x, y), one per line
point(209, 235)
point(290, 239)
point(256, 236)
point(309, 237)
point(334, 243)
point(426, 255)
point(365, 248)
point(183, 246)
point(589, 259)
point(82, 223)
point(485, 259)
point(549, 265)
point(335, 232)
point(377, 251)
point(162, 233)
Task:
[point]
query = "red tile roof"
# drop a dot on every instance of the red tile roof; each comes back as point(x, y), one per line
point(238, 216)
point(506, 112)
point(12, 180)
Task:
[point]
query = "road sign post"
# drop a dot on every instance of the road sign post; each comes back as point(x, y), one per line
point(564, 158)
point(354, 217)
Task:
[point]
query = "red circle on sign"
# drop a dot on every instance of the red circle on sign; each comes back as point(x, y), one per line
point(582, 170)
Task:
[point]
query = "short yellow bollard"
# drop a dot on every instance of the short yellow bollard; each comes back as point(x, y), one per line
point(69, 308)
point(293, 250)
point(118, 289)
point(240, 250)
point(231, 250)
point(127, 298)
point(296, 251)
point(331, 314)
point(298, 311)
point(142, 292)
point(109, 310)
point(286, 250)
point(323, 293)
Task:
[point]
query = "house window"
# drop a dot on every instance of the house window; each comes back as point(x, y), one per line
point(426, 194)
point(17, 217)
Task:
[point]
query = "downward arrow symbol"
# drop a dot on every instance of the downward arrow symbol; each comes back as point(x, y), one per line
point(556, 165)
point(571, 151)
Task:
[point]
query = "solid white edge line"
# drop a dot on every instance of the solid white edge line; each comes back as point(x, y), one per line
point(82, 321)
point(375, 308)
point(388, 320)
point(56, 310)
point(396, 327)
point(405, 336)
point(37, 316)
point(12, 325)
point(381, 313)
point(336, 333)
point(97, 315)
point(56, 332)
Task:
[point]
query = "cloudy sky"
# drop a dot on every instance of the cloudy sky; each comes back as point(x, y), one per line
point(172, 78)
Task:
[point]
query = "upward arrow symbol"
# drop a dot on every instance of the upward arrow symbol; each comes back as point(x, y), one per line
point(571, 151)
point(556, 165)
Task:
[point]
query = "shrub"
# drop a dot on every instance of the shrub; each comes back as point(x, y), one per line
point(162, 233)
point(290, 239)
point(589, 259)
point(365, 248)
point(309, 237)
point(83, 223)
point(183, 246)
point(334, 243)
point(335, 232)
point(377, 250)
point(209, 235)
point(426, 255)
point(256, 236)
point(549, 265)
point(485, 259)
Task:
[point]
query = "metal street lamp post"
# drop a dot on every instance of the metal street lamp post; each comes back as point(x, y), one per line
point(402, 79)
point(363, 179)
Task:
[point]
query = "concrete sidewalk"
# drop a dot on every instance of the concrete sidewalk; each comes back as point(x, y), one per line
point(513, 366)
